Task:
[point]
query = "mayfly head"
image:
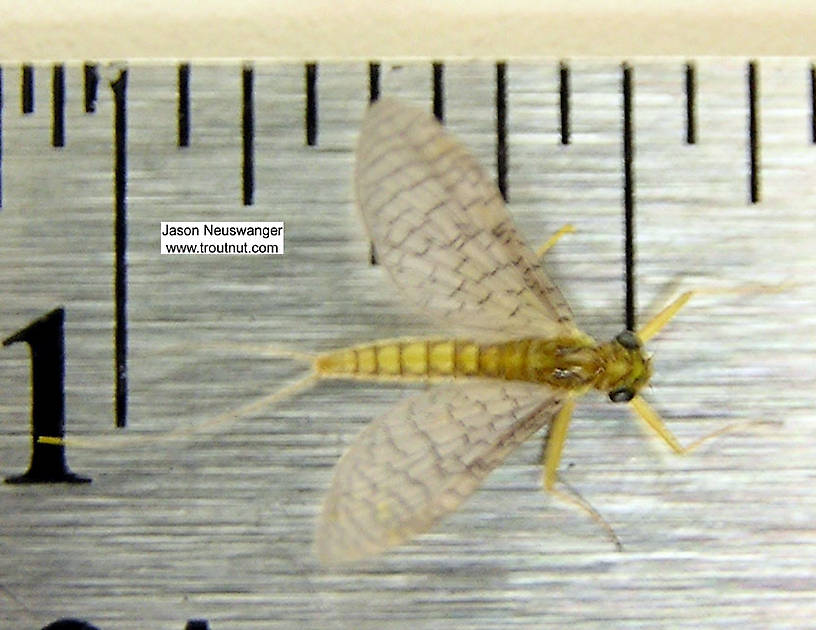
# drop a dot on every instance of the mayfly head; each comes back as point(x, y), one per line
point(627, 368)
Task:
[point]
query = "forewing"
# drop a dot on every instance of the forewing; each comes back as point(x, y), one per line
point(421, 459)
point(441, 229)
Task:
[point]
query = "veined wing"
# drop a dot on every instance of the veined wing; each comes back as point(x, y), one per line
point(421, 459)
point(441, 229)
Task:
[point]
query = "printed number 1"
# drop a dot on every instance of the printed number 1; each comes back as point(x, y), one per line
point(46, 339)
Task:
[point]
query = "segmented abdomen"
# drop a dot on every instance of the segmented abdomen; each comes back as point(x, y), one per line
point(428, 358)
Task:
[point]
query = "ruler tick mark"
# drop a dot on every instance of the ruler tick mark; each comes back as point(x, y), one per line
point(373, 82)
point(119, 87)
point(1, 137)
point(184, 105)
point(691, 104)
point(27, 90)
point(58, 106)
point(753, 131)
point(311, 104)
point(439, 91)
point(91, 80)
point(564, 101)
point(248, 118)
point(628, 195)
point(813, 103)
point(501, 128)
point(373, 96)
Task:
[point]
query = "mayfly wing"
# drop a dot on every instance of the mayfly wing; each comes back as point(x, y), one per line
point(421, 459)
point(441, 229)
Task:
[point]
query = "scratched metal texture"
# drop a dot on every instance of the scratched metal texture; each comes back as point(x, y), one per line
point(220, 525)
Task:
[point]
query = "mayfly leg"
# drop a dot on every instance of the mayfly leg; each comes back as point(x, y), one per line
point(643, 410)
point(653, 420)
point(550, 242)
point(659, 321)
point(551, 457)
point(556, 437)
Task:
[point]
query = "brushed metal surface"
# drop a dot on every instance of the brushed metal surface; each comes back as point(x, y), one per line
point(219, 526)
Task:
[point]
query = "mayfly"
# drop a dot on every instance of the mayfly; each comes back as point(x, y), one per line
point(440, 229)
point(518, 361)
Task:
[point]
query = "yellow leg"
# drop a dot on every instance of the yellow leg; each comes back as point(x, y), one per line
point(567, 229)
point(552, 457)
point(652, 419)
point(659, 321)
point(555, 444)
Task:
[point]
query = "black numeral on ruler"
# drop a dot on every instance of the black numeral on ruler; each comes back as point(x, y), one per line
point(46, 340)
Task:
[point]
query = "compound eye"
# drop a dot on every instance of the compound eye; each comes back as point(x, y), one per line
point(628, 340)
point(622, 394)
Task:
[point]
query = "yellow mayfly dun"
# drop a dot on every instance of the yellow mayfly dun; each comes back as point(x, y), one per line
point(442, 232)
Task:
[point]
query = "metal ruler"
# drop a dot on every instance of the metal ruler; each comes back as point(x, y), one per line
point(719, 172)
